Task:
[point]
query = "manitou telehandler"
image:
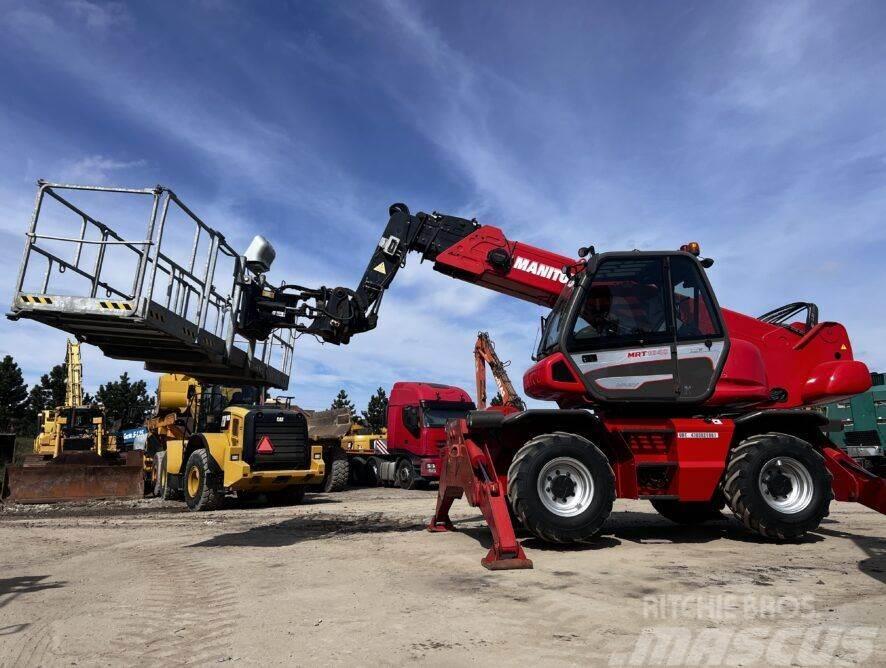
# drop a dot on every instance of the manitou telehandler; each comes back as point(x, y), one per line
point(662, 394)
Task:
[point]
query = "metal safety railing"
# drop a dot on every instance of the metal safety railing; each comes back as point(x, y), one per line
point(188, 288)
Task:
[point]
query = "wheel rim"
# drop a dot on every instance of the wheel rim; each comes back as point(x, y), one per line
point(404, 474)
point(565, 486)
point(193, 481)
point(786, 485)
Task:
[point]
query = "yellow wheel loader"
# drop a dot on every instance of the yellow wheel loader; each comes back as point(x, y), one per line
point(74, 457)
point(208, 441)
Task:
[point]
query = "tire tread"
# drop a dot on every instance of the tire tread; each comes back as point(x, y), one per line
point(517, 470)
point(738, 470)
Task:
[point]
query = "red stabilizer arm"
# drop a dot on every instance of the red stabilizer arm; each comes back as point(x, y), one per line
point(853, 482)
point(468, 470)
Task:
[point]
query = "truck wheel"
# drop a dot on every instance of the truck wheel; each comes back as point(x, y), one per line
point(690, 512)
point(561, 487)
point(156, 467)
point(357, 471)
point(339, 471)
point(406, 477)
point(291, 496)
point(778, 485)
point(373, 474)
point(200, 492)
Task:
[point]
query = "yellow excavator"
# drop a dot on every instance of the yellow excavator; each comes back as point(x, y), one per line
point(75, 458)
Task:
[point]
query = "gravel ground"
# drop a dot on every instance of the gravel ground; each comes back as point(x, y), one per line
point(352, 578)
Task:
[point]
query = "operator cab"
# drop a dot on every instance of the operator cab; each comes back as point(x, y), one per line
point(640, 326)
point(215, 399)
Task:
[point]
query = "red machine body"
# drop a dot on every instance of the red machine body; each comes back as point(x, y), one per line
point(767, 366)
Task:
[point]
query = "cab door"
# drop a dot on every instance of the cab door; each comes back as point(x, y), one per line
point(699, 333)
point(621, 335)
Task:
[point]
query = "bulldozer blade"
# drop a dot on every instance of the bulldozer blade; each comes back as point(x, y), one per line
point(76, 479)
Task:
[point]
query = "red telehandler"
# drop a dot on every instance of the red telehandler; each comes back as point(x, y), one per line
point(661, 394)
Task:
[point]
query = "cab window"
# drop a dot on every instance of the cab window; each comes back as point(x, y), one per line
point(437, 417)
point(625, 305)
point(553, 323)
point(693, 311)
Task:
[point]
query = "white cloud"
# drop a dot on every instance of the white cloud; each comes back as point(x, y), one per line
point(97, 169)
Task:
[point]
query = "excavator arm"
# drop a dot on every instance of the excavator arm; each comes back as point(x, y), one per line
point(484, 353)
point(74, 379)
point(458, 247)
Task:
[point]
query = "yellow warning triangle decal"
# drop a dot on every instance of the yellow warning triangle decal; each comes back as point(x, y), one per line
point(843, 347)
point(380, 268)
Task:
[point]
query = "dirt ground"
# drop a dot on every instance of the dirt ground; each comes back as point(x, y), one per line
point(352, 578)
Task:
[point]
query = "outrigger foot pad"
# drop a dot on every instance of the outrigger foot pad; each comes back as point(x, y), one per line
point(440, 526)
point(495, 561)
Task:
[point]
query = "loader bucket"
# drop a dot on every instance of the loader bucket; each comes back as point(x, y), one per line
point(76, 477)
point(329, 424)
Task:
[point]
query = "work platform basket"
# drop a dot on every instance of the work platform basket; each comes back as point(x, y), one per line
point(146, 280)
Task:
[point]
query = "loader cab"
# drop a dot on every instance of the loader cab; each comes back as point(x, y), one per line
point(640, 326)
point(213, 400)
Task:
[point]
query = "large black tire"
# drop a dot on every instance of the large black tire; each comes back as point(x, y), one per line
point(406, 476)
point(201, 482)
point(291, 496)
point(371, 472)
point(167, 493)
point(778, 486)
point(357, 471)
point(690, 512)
point(338, 471)
point(553, 459)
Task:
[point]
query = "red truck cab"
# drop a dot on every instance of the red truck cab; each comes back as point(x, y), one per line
point(417, 415)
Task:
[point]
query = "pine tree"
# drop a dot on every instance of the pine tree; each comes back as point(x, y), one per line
point(49, 393)
point(13, 395)
point(36, 403)
point(376, 414)
point(54, 385)
point(497, 400)
point(124, 400)
point(342, 400)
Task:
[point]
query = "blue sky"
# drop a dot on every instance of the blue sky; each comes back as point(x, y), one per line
point(757, 128)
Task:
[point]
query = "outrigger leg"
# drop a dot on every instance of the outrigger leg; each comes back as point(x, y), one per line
point(468, 470)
